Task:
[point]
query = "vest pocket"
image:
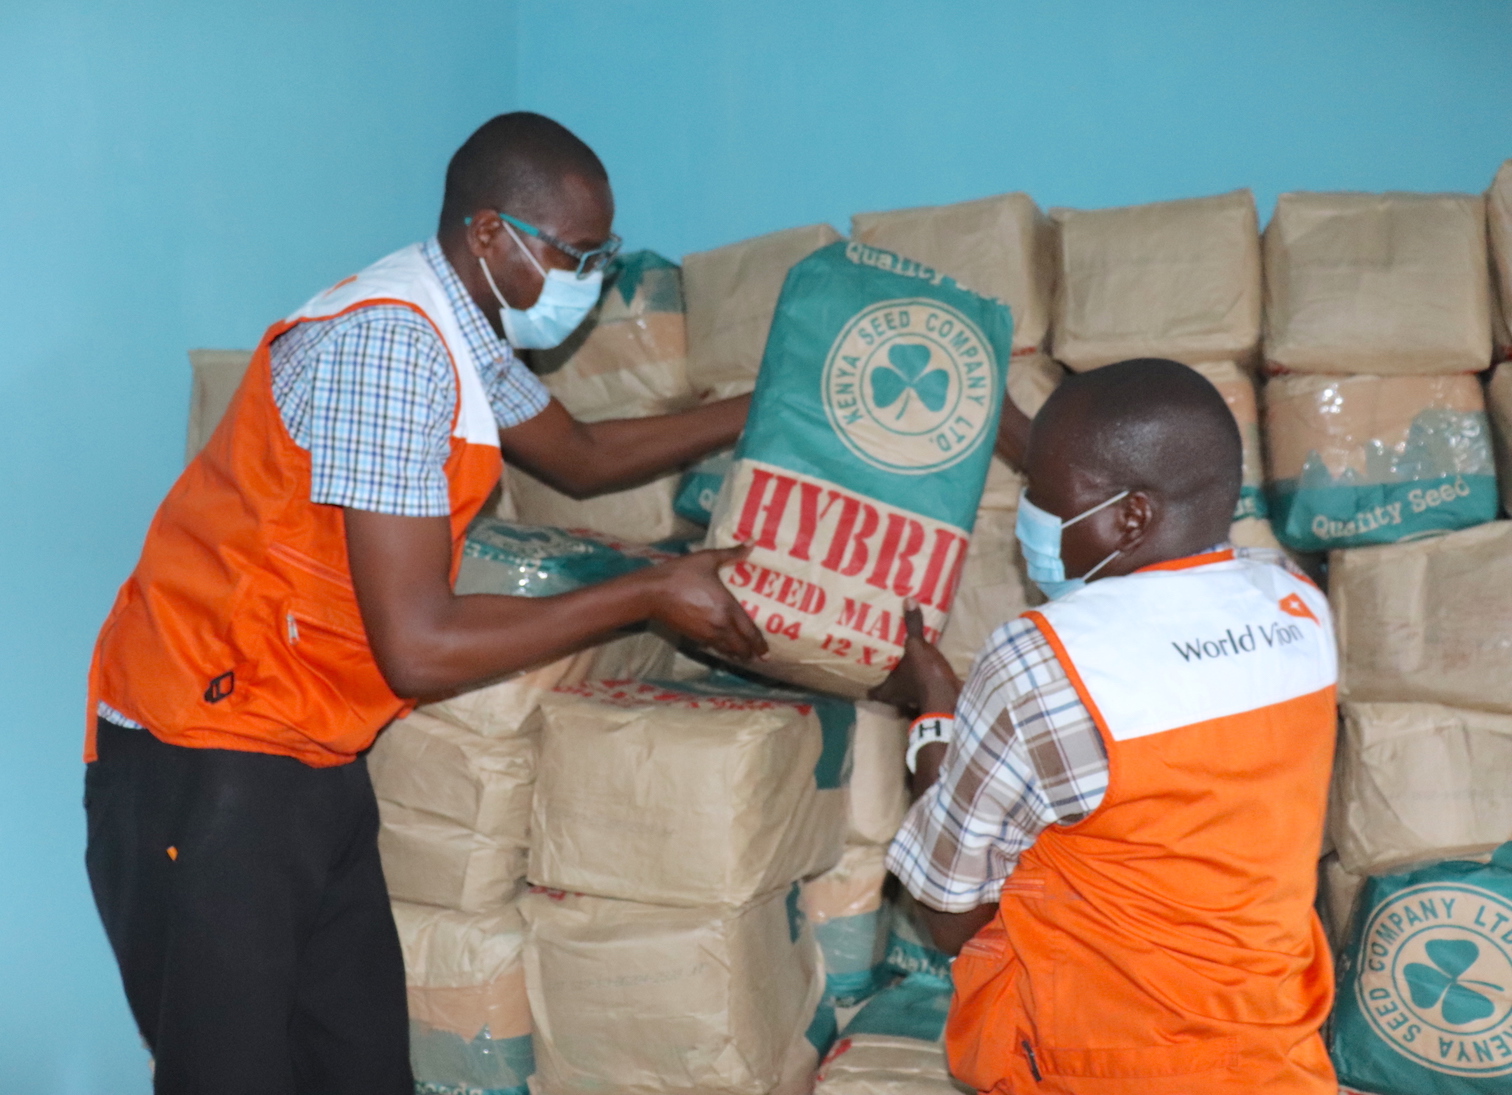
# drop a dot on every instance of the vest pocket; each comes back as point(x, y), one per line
point(1140, 1062)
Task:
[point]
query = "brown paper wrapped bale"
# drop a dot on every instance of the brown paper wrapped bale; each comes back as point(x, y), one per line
point(877, 1064)
point(999, 247)
point(1176, 279)
point(469, 1016)
point(1499, 223)
point(1499, 408)
point(1419, 781)
point(679, 795)
point(1237, 387)
point(1429, 621)
point(878, 793)
point(1031, 379)
point(731, 294)
point(435, 861)
point(501, 709)
point(217, 375)
point(1388, 284)
point(643, 1000)
point(484, 784)
point(994, 589)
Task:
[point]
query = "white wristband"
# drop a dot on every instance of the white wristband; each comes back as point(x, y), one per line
point(927, 730)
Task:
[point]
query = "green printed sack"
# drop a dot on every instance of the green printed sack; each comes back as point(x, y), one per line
point(700, 486)
point(909, 949)
point(845, 906)
point(859, 472)
point(1357, 460)
point(1425, 985)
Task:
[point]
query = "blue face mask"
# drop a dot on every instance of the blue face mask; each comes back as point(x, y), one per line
point(1039, 534)
point(565, 302)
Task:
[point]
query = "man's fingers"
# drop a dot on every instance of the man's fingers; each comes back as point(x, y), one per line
point(725, 556)
point(751, 636)
point(913, 619)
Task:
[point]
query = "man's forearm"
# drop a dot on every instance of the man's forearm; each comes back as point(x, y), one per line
point(624, 452)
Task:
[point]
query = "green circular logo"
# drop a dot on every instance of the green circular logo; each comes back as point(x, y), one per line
point(1436, 978)
point(908, 386)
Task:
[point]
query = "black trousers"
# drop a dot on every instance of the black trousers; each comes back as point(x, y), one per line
point(244, 900)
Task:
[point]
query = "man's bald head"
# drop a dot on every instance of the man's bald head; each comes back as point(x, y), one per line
point(1153, 427)
point(515, 162)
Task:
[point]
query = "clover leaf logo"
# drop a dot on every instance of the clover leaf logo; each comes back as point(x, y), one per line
point(1443, 983)
point(909, 376)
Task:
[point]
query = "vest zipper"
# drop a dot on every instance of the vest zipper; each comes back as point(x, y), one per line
point(1033, 1064)
point(293, 629)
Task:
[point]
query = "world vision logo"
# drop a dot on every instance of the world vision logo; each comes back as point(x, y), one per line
point(908, 386)
point(1294, 605)
point(1436, 978)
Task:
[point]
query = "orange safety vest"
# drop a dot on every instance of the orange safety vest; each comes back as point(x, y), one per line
point(239, 628)
point(1167, 944)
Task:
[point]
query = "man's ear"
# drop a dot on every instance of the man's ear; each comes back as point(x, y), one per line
point(1136, 520)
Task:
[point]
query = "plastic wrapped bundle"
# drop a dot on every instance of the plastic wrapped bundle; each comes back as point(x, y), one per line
point(691, 793)
point(892, 1046)
point(1417, 782)
point(1357, 460)
point(845, 906)
point(1177, 279)
point(878, 374)
point(999, 247)
point(504, 557)
point(644, 1000)
point(1393, 284)
point(1429, 621)
point(469, 1017)
point(731, 294)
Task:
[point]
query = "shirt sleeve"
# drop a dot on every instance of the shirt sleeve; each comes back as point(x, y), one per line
point(514, 392)
point(372, 399)
point(1026, 755)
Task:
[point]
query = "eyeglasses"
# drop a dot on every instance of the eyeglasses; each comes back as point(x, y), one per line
point(587, 261)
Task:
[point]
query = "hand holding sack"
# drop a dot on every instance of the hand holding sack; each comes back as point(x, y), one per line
point(858, 476)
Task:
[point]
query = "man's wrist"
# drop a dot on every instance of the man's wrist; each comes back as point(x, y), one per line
point(934, 728)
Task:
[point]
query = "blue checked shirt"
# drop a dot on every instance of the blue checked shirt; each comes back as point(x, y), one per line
point(371, 396)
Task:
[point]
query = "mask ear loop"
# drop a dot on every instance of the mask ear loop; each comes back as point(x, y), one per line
point(1087, 577)
point(516, 237)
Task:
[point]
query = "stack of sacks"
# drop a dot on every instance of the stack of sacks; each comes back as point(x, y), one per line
point(217, 375)
point(731, 295)
point(861, 489)
point(627, 360)
point(893, 1045)
point(1383, 302)
point(1176, 279)
point(649, 1000)
point(469, 1018)
point(680, 817)
point(526, 561)
point(1425, 631)
point(455, 811)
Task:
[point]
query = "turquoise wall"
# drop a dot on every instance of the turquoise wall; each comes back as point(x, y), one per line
point(172, 174)
point(177, 174)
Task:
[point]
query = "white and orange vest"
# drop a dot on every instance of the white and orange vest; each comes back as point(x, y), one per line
point(239, 628)
point(1167, 944)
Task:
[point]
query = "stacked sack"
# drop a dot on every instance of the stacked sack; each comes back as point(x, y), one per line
point(628, 359)
point(1378, 317)
point(1378, 313)
point(1178, 280)
point(668, 947)
point(454, 782)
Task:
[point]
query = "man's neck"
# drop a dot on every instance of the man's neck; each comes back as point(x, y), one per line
point(470, 274)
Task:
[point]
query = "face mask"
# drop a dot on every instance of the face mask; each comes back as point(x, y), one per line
point(1039, 534)
point(565, 301)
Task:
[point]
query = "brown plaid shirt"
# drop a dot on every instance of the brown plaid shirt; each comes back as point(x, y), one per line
point(1026, 755)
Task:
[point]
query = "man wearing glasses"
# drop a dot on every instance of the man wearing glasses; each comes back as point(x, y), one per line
point(294, 596)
